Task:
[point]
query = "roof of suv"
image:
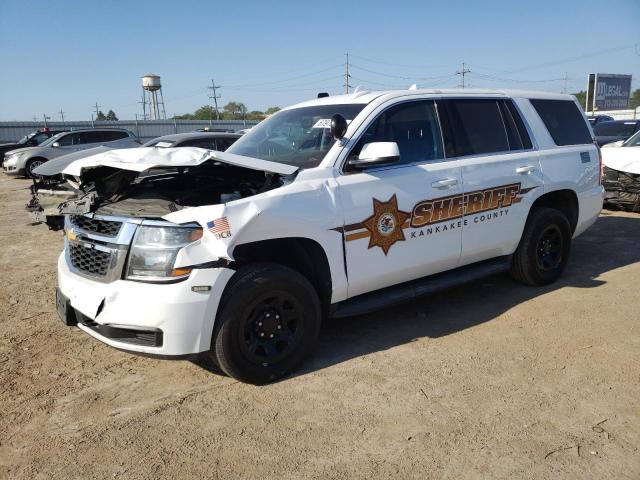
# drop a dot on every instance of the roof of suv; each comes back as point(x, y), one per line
point(366, 96)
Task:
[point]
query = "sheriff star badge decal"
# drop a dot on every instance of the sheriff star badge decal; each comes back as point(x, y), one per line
point(385, 225)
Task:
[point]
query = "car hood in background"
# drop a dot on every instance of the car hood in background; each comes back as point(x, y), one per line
point(53, 167)
point(145, 158)
point(623, 159)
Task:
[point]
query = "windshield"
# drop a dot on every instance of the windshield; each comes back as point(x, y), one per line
point(300, 137)
point(24, 139)
point(53, 139)
point(634, 141)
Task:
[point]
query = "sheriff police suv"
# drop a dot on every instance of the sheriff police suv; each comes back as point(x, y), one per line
point(333, 207)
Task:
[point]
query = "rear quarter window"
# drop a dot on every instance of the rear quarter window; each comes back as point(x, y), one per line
point(564, 121)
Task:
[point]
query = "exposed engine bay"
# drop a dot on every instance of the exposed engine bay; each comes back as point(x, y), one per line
point(151, 193)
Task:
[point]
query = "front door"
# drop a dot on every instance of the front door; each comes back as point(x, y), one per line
point(398, 221)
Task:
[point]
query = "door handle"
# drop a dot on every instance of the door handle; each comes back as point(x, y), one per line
point(526, 170)
point(447, 182)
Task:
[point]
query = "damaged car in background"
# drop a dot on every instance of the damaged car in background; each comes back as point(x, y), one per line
point(621, 173)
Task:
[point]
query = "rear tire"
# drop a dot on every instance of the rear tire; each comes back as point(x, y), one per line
point(268, 323)
point(544, 248)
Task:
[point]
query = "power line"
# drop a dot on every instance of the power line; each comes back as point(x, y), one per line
point(403, 77)
point(333, 67)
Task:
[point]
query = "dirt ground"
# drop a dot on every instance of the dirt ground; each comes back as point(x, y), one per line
point(490, 380)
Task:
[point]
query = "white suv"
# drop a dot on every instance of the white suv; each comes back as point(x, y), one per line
point(333, 207)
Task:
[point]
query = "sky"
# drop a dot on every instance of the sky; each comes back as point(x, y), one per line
point(68, 55)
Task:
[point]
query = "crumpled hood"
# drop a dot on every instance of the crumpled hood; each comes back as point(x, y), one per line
point(623, 159)
point(145, 158)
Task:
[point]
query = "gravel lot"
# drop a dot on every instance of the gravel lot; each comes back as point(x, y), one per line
point(490, 380)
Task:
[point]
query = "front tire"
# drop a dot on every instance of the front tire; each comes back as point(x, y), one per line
point(544, 248)
point(31, 166)
point(268, 323)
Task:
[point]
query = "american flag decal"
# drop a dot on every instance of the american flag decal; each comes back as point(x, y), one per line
point(219, 225)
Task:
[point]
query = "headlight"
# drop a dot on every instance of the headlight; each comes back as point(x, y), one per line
point(154, 252)
point(11, 160)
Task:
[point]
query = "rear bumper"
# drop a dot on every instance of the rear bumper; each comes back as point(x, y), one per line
point(589, 207)
point(155, 319)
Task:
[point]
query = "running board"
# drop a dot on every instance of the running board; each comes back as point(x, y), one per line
point(386, 297)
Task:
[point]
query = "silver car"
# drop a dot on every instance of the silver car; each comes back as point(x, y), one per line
point(24, 161)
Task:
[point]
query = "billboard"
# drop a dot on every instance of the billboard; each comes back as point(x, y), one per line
point(608, 91)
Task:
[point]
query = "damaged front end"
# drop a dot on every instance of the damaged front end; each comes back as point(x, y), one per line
point(158, 184)
point(622, 189)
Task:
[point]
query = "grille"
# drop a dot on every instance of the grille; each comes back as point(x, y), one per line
point(103, 227)
point(89, 260)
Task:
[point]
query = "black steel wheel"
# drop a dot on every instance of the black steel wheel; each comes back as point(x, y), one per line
point(544, 247)
point(268, 322)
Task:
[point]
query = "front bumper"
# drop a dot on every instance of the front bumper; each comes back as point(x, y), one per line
point(181, 318)
point(13, 170)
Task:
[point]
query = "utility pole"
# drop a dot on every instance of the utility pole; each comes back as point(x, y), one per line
point(35, 119)
point(346, 74)
point(214, 96)
point(565, 78)
point(61, 115)
point(144, 107)
point(463, 72)
point(45, 117)
point(97, 107)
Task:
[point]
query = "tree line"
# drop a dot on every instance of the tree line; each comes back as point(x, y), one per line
point(231, 111)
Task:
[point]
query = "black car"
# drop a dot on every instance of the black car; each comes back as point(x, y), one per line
point(608, 132)
point(597, 119)
point(32, 140)
point(210, 140)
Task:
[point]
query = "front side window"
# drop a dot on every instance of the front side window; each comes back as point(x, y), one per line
point(300, 136)
point(472, 127)
point(564, 121)
point(413, 126)
point(67, 140)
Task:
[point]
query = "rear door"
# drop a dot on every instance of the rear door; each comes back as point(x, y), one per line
point(499, 169)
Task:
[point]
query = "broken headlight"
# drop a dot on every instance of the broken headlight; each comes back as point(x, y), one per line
point(154, 251)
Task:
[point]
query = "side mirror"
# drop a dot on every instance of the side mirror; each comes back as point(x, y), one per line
point(338, 126)
point(376, 154)
point(55, 144)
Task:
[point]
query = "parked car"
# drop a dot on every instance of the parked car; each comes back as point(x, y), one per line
point(24, 161)
point(621, 174)
point(31, 140)
point(50, 189)
point(597, 119)
point(210, 140)
point(333, 207)
point(608, 132)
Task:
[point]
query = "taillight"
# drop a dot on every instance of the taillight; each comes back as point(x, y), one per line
point(600, 166)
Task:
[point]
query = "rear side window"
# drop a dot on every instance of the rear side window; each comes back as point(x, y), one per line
point(110, 136)
point(564, 121)
point(473, 127)
point(614, 129)
point(516, 131)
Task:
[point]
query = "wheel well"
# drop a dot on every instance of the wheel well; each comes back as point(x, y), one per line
point(564, 200)
point(303, 255)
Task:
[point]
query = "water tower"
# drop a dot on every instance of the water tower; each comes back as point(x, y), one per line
point(151, 87)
